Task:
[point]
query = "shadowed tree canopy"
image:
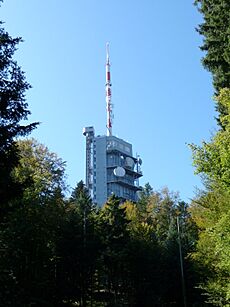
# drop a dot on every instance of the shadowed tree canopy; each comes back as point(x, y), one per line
point(215, 29)
point(13, 109)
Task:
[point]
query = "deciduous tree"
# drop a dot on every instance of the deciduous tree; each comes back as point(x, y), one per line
point(211, 209)
point(41, 171)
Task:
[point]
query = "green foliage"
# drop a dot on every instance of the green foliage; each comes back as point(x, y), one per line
point(216, 29)
point(216, 44)
point(63, 253)
point(13, 109)
point(213, 159)
point(77, 249)
point(211, 209)
point(213, 252)
point(211, 212)
point(113, 223)
point(28, 258)
point(39, 169)
point(153, 229)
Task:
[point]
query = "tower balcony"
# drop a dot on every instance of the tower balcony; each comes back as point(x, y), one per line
point(125, 183)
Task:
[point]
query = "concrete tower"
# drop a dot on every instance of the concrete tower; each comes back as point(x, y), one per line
point(111, 167)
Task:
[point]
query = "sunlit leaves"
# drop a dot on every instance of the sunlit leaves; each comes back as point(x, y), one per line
point(40, 169)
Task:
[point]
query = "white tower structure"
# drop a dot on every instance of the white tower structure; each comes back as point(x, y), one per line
point(111, 167)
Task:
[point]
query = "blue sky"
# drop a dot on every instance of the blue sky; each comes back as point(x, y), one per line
point(162, 95)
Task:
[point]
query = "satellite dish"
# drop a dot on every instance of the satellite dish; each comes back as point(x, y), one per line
point(129, 162)
point(119, 171)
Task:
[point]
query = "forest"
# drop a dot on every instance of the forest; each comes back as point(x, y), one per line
point(161, 251)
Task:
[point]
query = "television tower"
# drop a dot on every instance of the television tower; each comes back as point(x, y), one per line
point(109, 106)
point(111, 167)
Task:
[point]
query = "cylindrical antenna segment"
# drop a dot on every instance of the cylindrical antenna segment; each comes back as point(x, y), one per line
point(108, 85)
point(107, 52)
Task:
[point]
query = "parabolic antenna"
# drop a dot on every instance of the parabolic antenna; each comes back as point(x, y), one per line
point(129, 162)
point(119, 171)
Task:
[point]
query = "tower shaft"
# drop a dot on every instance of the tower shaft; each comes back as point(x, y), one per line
point(109, 107)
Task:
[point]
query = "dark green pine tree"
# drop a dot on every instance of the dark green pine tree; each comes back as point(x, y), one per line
point(13, 109)
point(113, 272)
point(77, 249)
point(215, 29)
point(81, 198)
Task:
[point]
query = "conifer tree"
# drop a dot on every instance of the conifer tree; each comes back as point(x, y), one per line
point(115, 237)
point(215, 29)
point(13, 109)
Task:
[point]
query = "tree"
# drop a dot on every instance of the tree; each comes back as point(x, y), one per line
point(211, 212)
point(144, 264)
point(29, 236)
point(212, 159)
point(114, 236)
point(28, 253)
point(41, 170)
point(160, 219)
point(77, 249)
point(13, 109)
point(211, 209)
point(215, 29)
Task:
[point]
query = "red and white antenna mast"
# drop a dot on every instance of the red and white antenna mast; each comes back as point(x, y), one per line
point(109, 106)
